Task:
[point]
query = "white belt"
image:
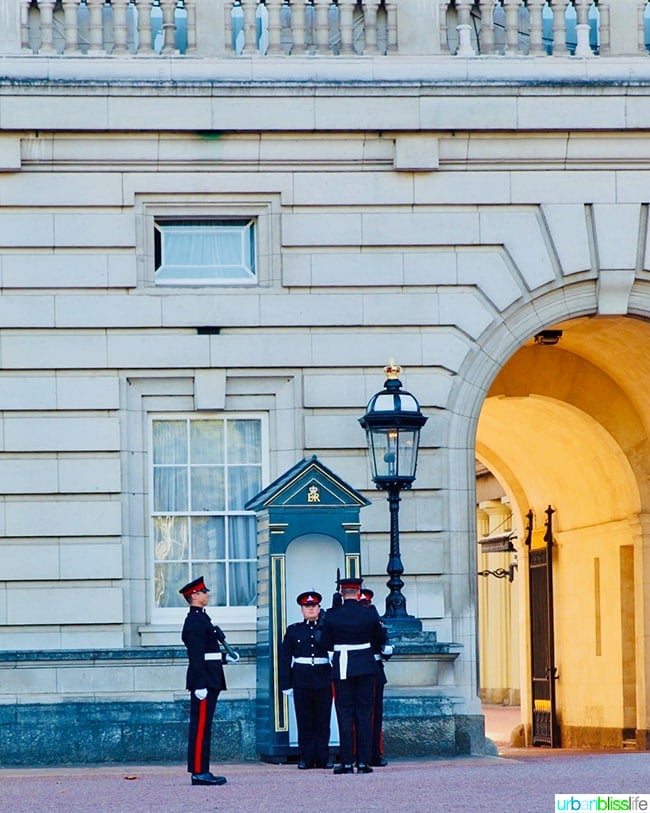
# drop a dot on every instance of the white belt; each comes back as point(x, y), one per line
point(343, 650)
point(213, 656)
point(312, 661)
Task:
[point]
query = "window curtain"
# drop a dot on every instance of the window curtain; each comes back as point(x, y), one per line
point(202, 466)
point(195, 251)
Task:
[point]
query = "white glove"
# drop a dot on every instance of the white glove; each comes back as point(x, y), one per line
point(287, 692)
point(200, 694)
point(234, 658)
point(387, 650)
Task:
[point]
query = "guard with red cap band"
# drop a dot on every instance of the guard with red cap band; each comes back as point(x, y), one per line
point(196, 586)
point(378, 759)
point(353, 632)
point(205, 679)
point(311, 597)
point(306, 674)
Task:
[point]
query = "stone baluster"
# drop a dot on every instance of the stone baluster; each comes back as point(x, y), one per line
point(46, 8)
point(346, 16)
point(442, 11)
point(275, 27)
point(250, 26)
point(144, 27)
point(95, 26)
point(583, 48)
point(391, 25)
point(559, 27)
point(298, 27)
point(465, 47)
point(168, 26)
point(640, 25)
point(311, 35)
point(71, 27)
point(24, 26)
point(487, 26)
point(322, 33)
point(535, 9)
point(192, 44)
point(370, 9)
point(511, 8)
point(228, 25)
point(119, 26)
point(582, 11)
point(10, 27)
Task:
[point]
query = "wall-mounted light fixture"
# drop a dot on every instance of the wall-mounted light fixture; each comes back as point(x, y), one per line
point(499, 543)
point(500, 572)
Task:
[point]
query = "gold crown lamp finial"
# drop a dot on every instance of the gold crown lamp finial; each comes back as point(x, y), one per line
point(392, 371)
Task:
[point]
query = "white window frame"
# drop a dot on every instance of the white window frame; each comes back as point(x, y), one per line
point(228, 615)
point(242, 273)
point(263, 210)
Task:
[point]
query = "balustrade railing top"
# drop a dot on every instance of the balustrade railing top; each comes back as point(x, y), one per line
point(221, 28)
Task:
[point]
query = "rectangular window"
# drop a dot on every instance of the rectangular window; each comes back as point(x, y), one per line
point(204, 470)
point(204, 252)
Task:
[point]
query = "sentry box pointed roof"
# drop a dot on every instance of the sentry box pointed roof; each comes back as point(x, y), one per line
point(308, 484)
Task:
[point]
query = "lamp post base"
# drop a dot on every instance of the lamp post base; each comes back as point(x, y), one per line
point(401, 624)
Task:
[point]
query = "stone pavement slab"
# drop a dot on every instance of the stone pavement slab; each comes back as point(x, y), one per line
point(525, 780)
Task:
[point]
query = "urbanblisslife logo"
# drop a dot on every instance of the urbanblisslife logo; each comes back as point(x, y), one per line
point(602, 802)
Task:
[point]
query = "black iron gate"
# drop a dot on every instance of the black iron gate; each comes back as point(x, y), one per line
point(546, 730)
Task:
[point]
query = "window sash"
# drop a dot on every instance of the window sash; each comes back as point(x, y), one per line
point(205, 252)
point(203, 470)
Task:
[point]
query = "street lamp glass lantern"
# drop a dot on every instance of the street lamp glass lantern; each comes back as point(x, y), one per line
point(392, 422)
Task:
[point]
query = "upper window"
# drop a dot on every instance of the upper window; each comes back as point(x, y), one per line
point(204, 471)
point(204, 252)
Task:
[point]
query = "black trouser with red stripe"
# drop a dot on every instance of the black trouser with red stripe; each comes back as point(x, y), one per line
point(198, 746)
point(378, 721)
point(313, 712)
point(353, 698)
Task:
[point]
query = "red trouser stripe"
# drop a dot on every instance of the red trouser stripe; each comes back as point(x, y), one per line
point(200, 733)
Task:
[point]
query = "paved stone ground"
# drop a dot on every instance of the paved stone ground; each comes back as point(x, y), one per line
point(519, 780)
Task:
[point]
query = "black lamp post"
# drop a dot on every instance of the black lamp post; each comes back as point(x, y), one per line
point(392, 422)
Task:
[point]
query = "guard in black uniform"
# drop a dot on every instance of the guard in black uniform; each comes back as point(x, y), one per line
point(383, 654)
point(305, 672)
point(205, 679)
point(354, 633)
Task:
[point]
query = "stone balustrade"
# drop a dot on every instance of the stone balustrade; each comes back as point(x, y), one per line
point(208, 28)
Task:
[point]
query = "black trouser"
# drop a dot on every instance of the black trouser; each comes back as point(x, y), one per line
point(353, 698)
point(198, 745)
point(313, 711)
point(377, 721)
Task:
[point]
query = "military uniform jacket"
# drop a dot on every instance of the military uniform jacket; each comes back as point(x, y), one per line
point(303, 640)
point(201, 638)
point(353, 625)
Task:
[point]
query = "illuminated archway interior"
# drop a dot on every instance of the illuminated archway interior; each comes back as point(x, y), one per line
point(567, 426)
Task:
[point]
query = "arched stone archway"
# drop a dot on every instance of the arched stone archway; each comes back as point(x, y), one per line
point(569, 426)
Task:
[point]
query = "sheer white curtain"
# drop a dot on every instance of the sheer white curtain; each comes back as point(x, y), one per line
point(194, 251)
point(204, 471)
point(170, 495)
point(244, 481)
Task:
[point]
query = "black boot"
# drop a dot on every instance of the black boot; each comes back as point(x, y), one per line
point(208, 779)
